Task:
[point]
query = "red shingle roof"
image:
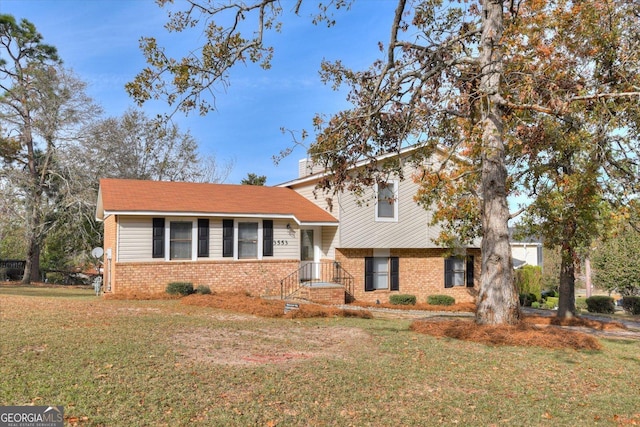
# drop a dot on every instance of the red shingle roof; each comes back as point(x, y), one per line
point(125, 195)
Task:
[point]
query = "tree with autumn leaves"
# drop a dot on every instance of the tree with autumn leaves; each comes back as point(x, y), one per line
point(536, 97)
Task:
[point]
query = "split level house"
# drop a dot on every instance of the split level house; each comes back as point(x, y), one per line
point(278, 241)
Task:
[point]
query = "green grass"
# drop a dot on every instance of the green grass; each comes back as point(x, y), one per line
point(123, 363)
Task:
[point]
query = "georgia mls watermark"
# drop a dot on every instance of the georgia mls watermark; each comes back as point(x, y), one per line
point(31, 416)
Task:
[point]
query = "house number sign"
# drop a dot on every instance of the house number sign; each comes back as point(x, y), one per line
point(281, 242)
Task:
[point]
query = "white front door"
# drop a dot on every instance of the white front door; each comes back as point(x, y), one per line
point(309, 253)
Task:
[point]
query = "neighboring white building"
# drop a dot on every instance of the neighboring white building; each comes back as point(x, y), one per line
point(526, 251)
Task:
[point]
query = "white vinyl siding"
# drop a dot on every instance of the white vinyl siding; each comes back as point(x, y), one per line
point(285, 242)
point(329, 242)
point(306, 191)
point(359, 228)
point(135, 239)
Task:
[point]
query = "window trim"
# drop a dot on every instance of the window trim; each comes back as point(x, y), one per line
point(396, 187)
point(258, 240)
point(190, 240)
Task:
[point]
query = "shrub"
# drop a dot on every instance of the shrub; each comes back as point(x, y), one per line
point(631, 305)
point(600, 304)
point(180, 288)
point(535, 304)
point(440, 300)
point(402, 299)
point(551, 302)
point(527, 299)
point(529, 280)
point(203, 290)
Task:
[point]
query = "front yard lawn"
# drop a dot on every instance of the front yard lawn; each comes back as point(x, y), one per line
point(163, 362)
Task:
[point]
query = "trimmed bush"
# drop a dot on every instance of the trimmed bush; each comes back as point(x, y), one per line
point(600, 304)
point(535, 304)
point(631, 305)
point(551, 302)
point(441, 300)
point(527, 299)
point(180, 288)
point(203, 290)
point(402, 299)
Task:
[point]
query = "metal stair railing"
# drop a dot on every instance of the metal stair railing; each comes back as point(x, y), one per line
point(317, 272)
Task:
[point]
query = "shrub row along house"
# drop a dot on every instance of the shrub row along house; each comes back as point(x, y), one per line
point(278, 241)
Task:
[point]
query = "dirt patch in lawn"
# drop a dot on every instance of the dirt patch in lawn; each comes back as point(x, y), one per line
point(226, 346)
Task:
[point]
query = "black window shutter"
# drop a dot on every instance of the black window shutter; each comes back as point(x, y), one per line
point(368, 274)
point(227, 237)
point(448, 273)
point(267, 237)
point(395, 273)
point(203, 237)
point(470, 271)
point(158, 238)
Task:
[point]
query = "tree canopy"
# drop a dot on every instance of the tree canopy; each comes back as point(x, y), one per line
point(617, 267)
point(253, 179)
point(54, 147)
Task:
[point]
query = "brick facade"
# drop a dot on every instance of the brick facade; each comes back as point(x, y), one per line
point(255, 277)
point(421, 274)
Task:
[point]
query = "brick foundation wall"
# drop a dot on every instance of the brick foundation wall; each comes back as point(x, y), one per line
point(256, 277)
point(333, 295)
point(421, 274)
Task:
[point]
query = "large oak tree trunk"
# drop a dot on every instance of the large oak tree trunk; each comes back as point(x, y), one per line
point(498, 299)
point(567, 300)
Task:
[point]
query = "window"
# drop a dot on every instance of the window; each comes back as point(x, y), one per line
point(387, 201)
point(247, 240)
point(306, 245)
point(180, 240)
point(458, 271)
point(381, 273)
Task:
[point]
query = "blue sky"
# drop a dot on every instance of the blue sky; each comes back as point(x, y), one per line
point(99, 40)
